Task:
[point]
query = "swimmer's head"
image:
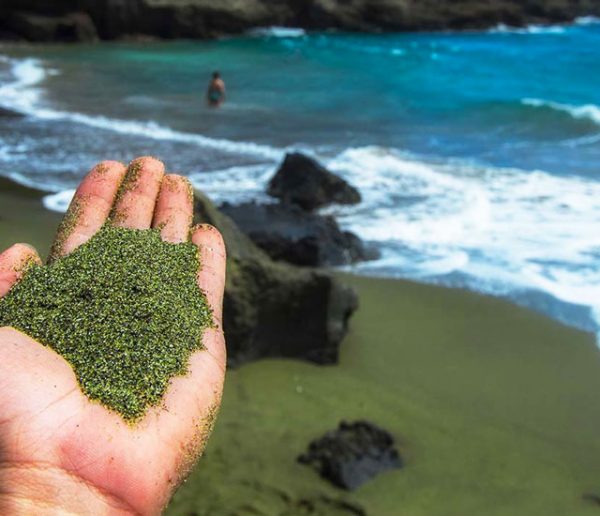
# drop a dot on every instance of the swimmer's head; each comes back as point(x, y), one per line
point(216, 75)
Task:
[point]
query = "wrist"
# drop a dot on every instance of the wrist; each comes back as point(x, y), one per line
point(45, 490)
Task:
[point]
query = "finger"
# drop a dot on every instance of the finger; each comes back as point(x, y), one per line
point(192, 401)
point(174, 209)
point(136, 199)
point(211, 275)
point(185, 419)
point(89, 208)
point(13, 262)
point(211, 280)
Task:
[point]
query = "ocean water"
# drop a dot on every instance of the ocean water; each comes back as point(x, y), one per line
point(477, 154)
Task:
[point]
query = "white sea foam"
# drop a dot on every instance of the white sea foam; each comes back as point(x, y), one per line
point(278, 32)
point(587, 20)
point(21, 94)
point(156, 131)
point(510, 230)
point(235, 184)
point(502, 28)
point(25, 95)
point(584, 112)
point(58, 201)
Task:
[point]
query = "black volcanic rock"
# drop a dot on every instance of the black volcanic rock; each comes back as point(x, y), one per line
point(9, 113)
point(287, 233)
point(353, 454)
point(593, 498)
point(69, 27)
point(304, 181)
point(206, 19)
point(273, 309)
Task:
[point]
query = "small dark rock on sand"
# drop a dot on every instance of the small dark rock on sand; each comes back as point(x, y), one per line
point(593, 498)
point(304, 181)
point(353, 454)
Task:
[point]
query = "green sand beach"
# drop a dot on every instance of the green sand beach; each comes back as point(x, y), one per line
point(495, 408)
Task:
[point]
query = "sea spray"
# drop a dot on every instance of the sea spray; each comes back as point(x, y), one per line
point(124, 310)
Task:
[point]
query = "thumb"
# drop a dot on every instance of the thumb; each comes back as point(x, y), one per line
point(13, 262)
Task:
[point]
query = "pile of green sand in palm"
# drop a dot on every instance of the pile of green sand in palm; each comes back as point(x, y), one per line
point(124, 310)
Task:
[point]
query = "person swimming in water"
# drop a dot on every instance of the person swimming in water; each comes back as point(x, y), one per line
point(215, 95)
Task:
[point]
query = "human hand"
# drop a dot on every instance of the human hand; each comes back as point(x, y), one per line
point(62, 453)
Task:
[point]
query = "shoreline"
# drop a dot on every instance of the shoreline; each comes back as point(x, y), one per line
point(529, 267)
point(40, 224)
point(494, 410)
point(23, 217)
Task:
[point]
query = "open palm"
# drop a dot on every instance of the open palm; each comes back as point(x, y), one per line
point(59, 452)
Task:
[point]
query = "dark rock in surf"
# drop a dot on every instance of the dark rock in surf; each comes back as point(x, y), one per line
point(9, 113)
point(287, 233)
point(272, 309)
point(352, 454)
point(305, 182)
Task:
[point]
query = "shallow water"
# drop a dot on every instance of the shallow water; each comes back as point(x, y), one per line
point(476, 153)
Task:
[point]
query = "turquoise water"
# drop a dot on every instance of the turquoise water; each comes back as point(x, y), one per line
point(476, 153)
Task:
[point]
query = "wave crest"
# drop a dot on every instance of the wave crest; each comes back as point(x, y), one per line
point(502, 28)
point(278, 32)
point(583, 112)
point(502, 230)
point(25, 95)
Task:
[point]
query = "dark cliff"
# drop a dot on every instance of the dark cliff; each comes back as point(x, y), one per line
point(86, 20)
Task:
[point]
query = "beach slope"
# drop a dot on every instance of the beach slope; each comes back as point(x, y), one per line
point(495, 410)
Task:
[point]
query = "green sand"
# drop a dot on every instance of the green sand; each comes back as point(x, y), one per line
point(123, 309)
point(23, 217)
point(495, 409)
